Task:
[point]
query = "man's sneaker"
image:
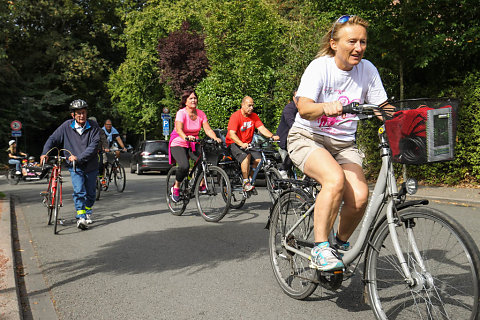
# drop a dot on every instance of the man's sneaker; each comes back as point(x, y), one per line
point(202, 189)
point(89, 220)
point(247, 186)
point(283, 174)
point(325, 258)
point(18, 172)
point(82, 224)
point(175, 194)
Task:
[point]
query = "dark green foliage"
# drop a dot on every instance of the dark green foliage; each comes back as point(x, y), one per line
point(52, 52)
point(182, 59)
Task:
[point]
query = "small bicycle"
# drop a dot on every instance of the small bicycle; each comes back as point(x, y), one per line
point(418, 262)
point(234, 172)
point(52, 198)
point(213, 202)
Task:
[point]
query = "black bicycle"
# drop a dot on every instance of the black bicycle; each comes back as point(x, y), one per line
point(267, 163)
point(206, 182)
point(113, 171)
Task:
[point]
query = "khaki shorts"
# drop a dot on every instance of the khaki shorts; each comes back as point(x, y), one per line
point(301, 143)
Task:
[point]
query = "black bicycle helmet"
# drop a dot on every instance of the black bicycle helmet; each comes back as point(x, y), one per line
point(78, 104)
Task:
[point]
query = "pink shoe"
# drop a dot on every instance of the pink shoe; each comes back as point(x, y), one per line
point(175, 194)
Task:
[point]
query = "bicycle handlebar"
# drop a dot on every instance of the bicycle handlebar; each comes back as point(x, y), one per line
point(357, 108)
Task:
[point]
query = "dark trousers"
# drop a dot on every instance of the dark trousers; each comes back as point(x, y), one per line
point(181, 156)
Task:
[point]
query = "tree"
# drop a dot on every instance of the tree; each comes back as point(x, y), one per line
point(182, 59)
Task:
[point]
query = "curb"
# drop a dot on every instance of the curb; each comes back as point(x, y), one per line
point(445, 200)
point(9, 303)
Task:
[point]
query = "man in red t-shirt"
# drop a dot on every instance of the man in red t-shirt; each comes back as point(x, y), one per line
point(241, 128)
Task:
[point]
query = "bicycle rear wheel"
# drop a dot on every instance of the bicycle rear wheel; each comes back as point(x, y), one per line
point(214, 202)
point(292, 271)
point(176, 208)
point(119, 177)
point(56, 207)
point(448, 286)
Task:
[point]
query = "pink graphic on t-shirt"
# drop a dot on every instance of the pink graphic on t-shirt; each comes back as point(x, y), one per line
point(326, 123)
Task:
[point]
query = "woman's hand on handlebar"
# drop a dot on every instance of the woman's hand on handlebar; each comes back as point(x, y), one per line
point(333, 109)
point(190, 138)
point(72, 158)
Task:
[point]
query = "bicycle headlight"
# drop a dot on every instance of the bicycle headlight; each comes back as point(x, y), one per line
point(411, 186)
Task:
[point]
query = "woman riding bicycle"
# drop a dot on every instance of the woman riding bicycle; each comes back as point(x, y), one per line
point(15, 156)
point(322, 141)
point(188, 122)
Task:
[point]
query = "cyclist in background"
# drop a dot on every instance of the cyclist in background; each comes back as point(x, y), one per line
point(241, 127)
point(113, 136)
point(321, 141)
point(188, 122)
point(286, 122)
point(15, 156)
point(81, 137)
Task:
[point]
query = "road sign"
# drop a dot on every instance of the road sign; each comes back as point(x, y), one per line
point(166, 116)
point(17, 133)
point(16, 125)
point(166, 127)
point(165, 110)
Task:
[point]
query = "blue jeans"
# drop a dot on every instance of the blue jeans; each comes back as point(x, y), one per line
point(15, 162)
point(84, 190)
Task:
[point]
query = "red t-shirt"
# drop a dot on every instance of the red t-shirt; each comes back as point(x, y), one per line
point(243, 126)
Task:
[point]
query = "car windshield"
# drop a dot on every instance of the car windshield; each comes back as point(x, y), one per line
point(157, 147)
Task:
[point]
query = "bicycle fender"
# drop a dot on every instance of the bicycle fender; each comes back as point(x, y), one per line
point(411, 203)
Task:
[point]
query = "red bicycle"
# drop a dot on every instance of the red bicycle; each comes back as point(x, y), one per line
point(52, 198)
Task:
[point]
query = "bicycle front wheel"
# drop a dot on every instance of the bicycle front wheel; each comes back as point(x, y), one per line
point(176, 208)
point(99, 188)
point(58, 202)
point(119, 177)
point(12, 178)
point(50, 201)
point(213, 193)
point(448, 285)
point(272, 177)
point(291, 270)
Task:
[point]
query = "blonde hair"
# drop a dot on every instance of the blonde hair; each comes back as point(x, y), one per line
point(325, 48)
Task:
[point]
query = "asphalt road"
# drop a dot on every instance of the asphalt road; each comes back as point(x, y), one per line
point(140, 262)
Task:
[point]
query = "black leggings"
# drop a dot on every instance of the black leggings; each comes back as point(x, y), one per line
point(181, 156)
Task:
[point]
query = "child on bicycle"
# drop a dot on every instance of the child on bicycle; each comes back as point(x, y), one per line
point(322, 144)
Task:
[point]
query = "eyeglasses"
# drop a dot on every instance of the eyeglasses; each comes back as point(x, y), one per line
point(340, 20)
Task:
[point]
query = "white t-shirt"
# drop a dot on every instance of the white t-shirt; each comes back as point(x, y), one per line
point(323, 81)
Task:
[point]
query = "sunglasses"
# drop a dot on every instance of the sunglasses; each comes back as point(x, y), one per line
point(340, 20)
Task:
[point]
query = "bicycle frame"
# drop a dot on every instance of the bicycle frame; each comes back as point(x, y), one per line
point(264, 162)
point(385, 188)
point(199, 166)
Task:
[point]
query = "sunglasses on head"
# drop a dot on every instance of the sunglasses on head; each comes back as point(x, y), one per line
point(340, 20)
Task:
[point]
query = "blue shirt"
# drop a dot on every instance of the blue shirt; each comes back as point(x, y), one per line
point(83, 146)
point(113, 134)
